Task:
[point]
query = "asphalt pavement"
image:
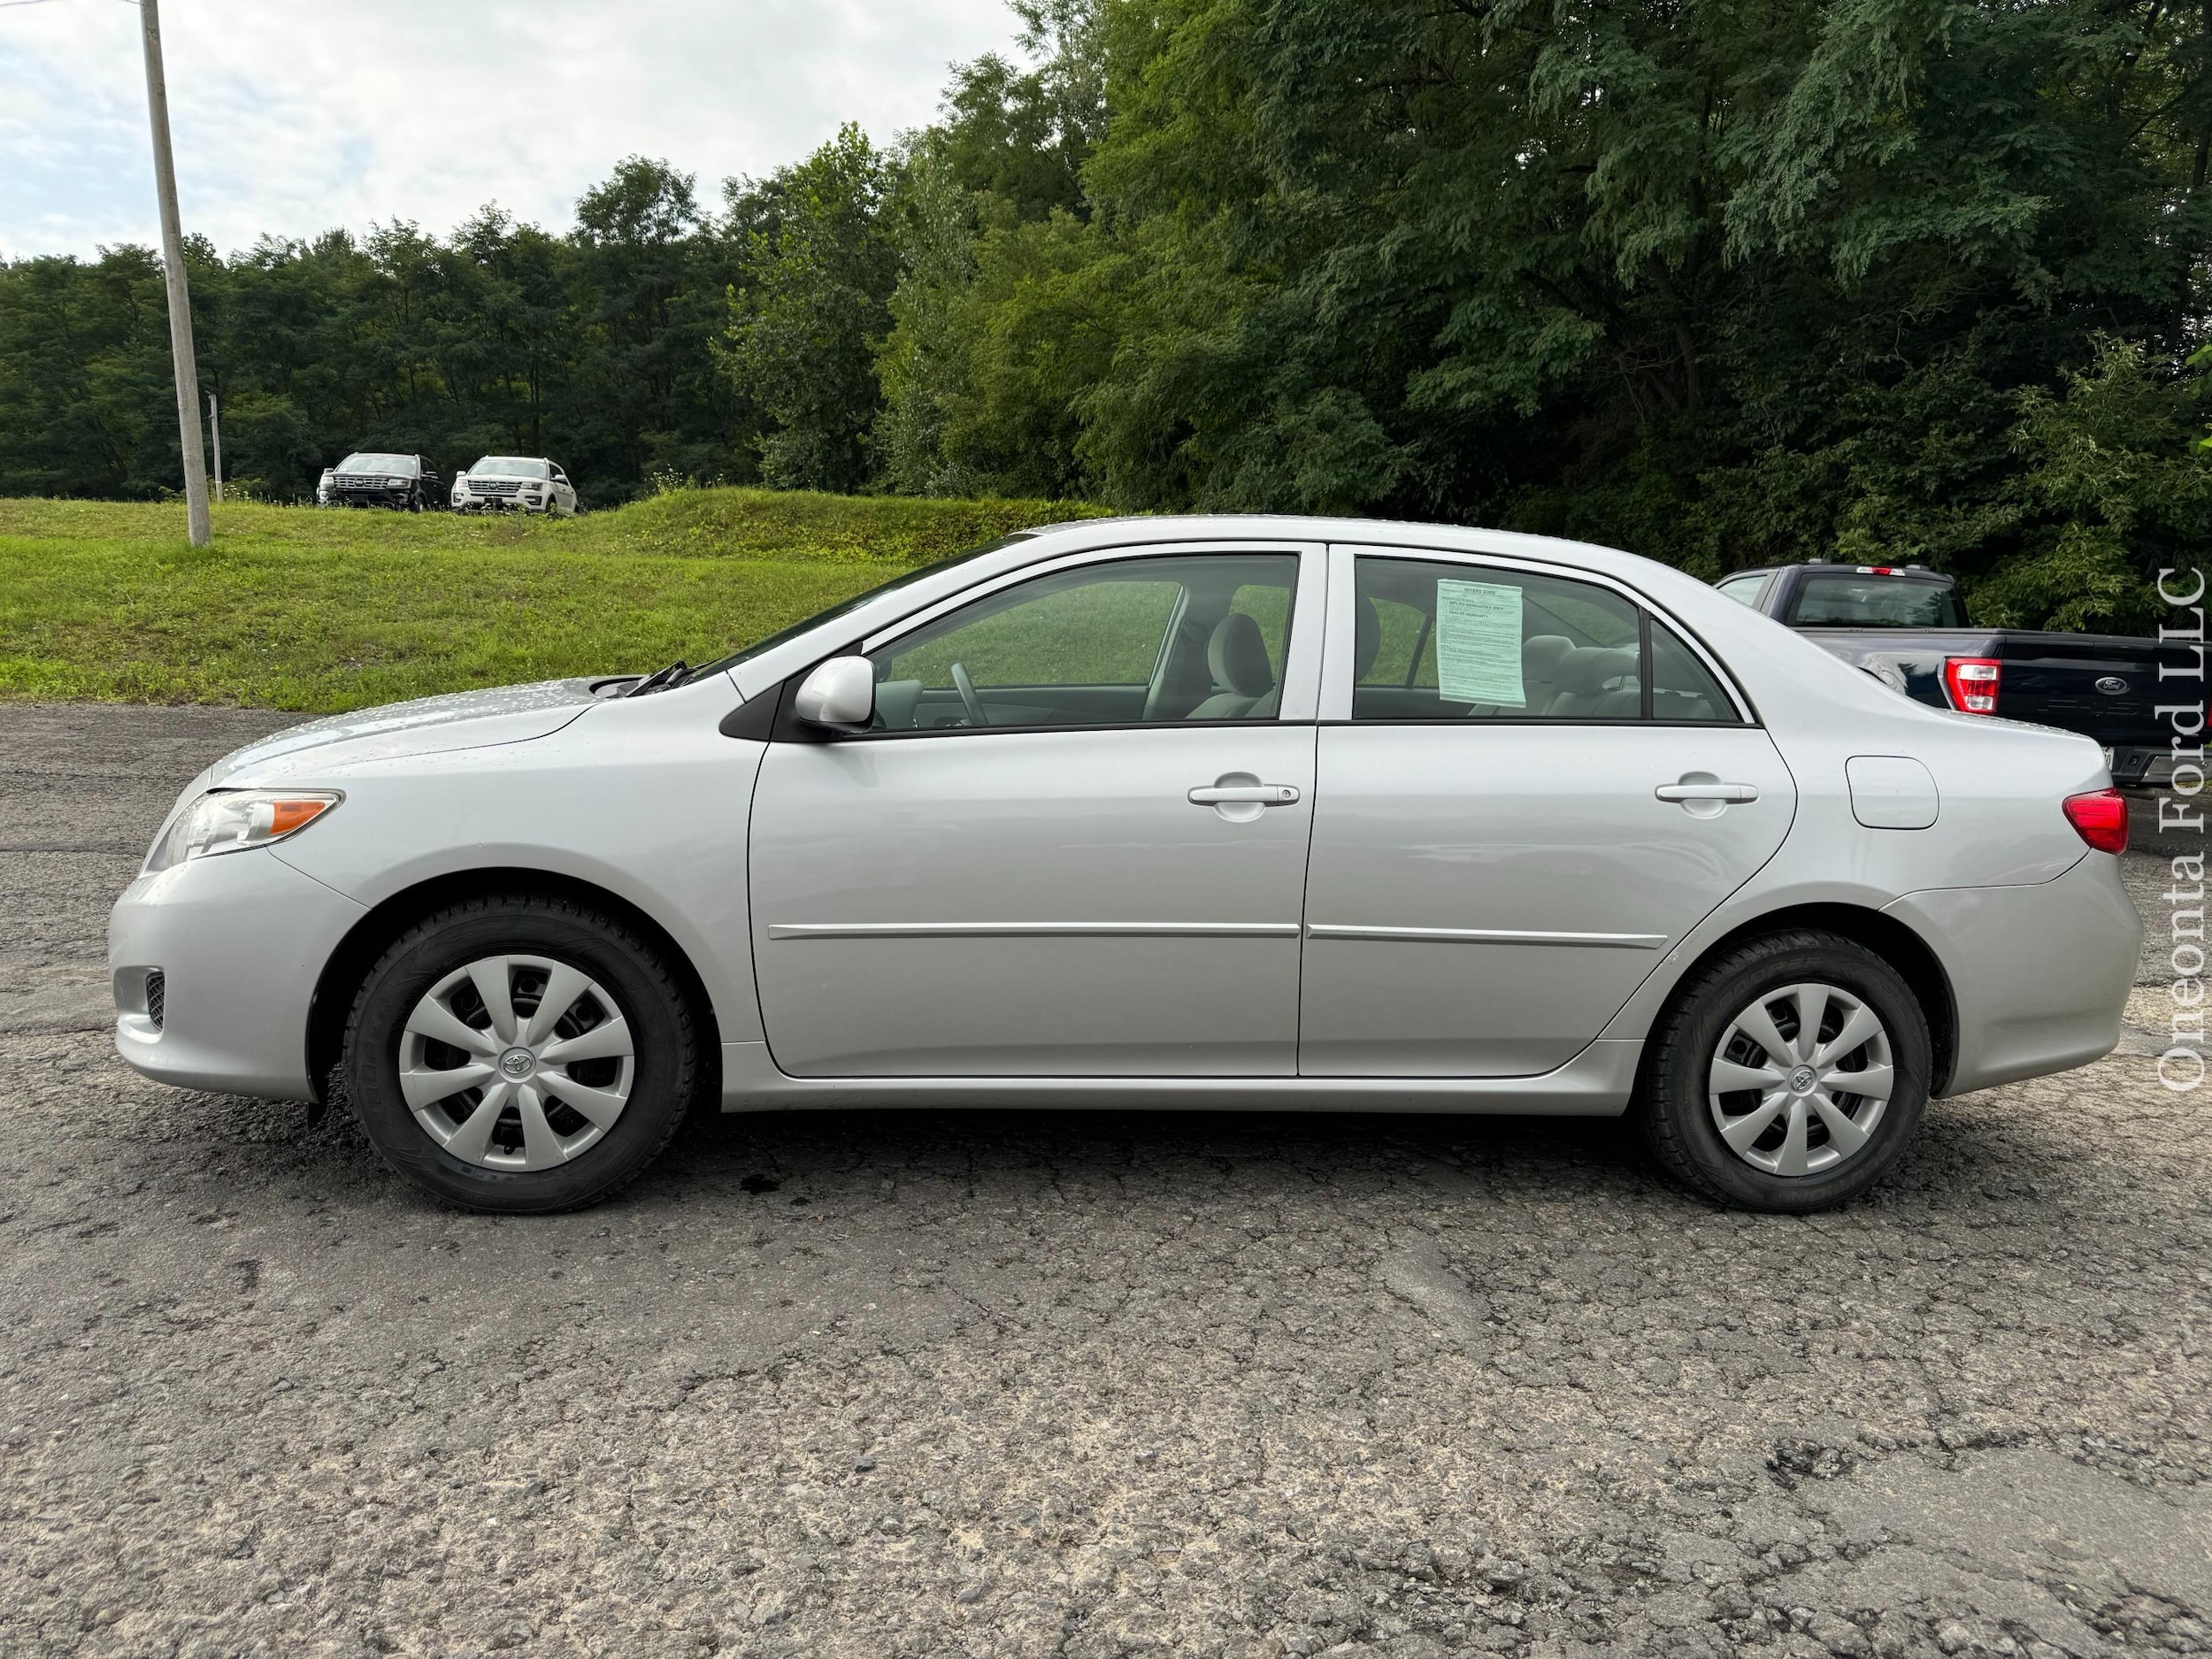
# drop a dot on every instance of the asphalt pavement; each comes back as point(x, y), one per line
point(1082, 1383)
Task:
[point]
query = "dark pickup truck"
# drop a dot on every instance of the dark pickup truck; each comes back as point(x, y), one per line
point(1907, 627)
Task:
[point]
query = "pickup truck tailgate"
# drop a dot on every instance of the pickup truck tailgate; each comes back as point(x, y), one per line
point(2085, 682)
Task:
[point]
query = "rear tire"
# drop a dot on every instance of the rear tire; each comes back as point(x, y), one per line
point(1798, 1122)
point(493, 1108)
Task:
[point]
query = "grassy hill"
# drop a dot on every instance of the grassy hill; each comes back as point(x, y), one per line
point(322, 610)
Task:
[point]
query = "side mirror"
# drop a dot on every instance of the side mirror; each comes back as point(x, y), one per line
point(840, 694)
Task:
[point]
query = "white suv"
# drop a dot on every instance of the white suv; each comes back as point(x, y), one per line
point(514, 483)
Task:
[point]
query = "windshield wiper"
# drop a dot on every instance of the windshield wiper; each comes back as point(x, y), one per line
point(659, 680)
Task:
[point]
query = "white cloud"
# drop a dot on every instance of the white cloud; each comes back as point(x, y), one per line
point(291, 119)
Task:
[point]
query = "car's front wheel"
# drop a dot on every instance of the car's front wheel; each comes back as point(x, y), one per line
point(1790, 1074)
point(520, 1054)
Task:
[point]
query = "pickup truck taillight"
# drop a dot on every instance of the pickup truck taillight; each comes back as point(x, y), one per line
point(2101, 818)
point(1970, 682)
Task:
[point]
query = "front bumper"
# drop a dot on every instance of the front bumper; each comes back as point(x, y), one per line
point(2040, 974)
point(382, 495)
point(499, 503)
point(241, 939)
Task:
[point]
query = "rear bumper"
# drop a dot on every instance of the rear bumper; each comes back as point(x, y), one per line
point(241, 939)
point(2142, 766)
point(2040, 974)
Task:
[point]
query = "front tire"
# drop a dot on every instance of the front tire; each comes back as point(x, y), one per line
point(520, 1054)
point(1789, 1075)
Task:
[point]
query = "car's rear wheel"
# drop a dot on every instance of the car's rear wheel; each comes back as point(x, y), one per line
point(520, 1054)
point(1789, 1075)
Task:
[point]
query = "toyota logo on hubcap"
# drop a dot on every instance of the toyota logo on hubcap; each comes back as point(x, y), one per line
point(518, 1063)
point(1802, 1080)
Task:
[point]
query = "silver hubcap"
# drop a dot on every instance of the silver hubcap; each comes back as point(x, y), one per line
point(516, 1063)
point(1800, 1079)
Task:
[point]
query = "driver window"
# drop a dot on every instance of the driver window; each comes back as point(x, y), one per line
point(1119, 643)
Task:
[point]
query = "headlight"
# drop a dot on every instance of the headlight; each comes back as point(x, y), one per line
point(396, 483)
point(231, 821)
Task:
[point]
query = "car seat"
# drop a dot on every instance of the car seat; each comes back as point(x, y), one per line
point(1596, 682)
point(1236, 655)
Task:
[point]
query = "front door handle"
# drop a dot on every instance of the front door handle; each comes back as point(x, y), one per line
point(1245, 794)
point(1737, 793)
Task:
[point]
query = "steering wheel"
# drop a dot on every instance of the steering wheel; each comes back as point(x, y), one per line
point(969, 700)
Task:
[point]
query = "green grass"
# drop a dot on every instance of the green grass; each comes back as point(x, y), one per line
point(294, 607)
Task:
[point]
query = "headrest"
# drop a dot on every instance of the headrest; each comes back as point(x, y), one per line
point(1584, 670)
point(1366, 637)
point(1237, 655)
point(1540, 654)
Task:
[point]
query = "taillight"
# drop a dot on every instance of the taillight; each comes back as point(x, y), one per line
point(1972, 683)
point(2101, 818)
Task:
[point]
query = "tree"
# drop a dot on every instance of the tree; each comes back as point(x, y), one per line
point(646, 274)
point(1718, 284)
point(810, 312)
point(980, 390)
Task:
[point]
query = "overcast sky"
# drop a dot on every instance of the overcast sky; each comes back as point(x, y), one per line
point(290, 117)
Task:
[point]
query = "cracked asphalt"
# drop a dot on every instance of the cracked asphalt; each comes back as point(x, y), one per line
point(1090, 1383)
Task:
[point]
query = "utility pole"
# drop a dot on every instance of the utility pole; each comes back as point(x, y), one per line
point(179, 300)
point(215, 441)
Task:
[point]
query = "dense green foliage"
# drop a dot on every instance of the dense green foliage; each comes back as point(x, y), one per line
point(1719, 281)
point(295, 608)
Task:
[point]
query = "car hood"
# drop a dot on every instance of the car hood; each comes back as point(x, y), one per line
point(428, 726)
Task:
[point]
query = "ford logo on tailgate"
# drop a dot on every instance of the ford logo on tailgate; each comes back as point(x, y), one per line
point(2112, 685)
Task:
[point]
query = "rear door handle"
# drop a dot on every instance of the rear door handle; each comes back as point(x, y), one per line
point(1733, 792)
point(1245, 794)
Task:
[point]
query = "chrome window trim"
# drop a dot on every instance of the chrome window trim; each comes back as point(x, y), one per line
point(1336, 673)
point(1071, 728)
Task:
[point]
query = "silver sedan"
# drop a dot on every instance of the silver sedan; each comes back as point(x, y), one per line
point(1269, 813)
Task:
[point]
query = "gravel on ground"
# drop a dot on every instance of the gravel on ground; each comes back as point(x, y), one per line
point(1084, 1384)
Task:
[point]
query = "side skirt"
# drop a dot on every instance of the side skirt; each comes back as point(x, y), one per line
point(1596, 1083)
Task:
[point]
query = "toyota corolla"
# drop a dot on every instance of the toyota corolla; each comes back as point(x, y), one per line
point(1266, 813)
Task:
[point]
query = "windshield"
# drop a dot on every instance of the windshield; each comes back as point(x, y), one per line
point(722, 664)
point(509, 466)
point(404, 464)
point(1844, 599)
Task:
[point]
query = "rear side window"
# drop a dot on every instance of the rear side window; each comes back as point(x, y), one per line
point(1682, 688)
point(1846, 599)
point(1452, 642)
point(1744, 589)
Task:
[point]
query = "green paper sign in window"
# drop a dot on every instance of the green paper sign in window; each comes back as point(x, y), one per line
point(1479, 642)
